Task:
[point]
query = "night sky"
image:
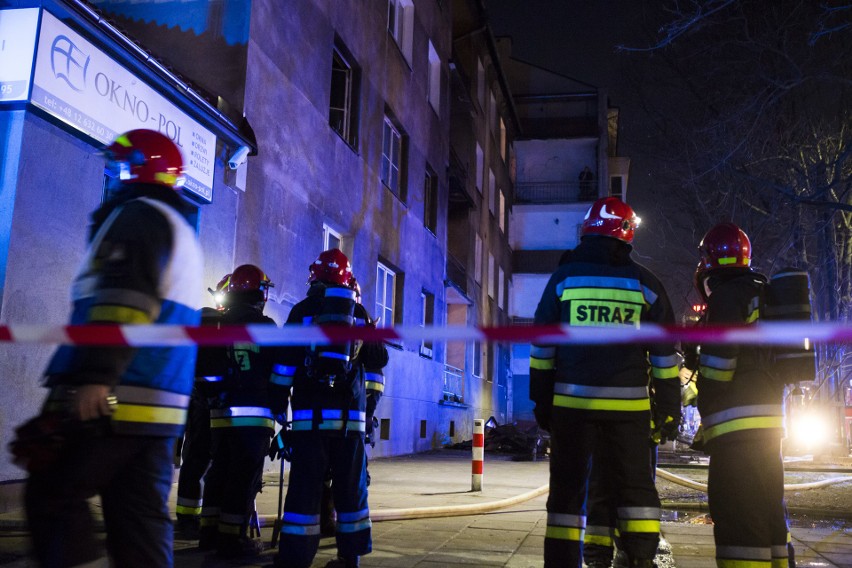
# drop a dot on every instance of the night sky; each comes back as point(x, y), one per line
point(580, 40)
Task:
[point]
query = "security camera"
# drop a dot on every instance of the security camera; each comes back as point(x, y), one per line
point(238, 158)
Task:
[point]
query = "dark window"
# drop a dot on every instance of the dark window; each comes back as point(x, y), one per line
point(430, 201)
point(343, 106)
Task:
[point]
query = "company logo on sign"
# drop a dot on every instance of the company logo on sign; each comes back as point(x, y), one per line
point(82, 86)
point(69, 63)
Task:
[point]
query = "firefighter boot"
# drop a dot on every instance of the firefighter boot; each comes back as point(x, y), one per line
point(208, 537)
point(187, 527)
point(642, 563)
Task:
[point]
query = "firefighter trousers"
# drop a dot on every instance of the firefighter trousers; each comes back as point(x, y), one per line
point(195, 457)
point(313, 454)
point(234, 478)
point(745, 491)
point(132, 475)
point(620, 447)
point(601, 536)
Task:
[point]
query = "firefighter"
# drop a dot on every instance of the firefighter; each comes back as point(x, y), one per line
point(741, 412)
point(601, 539)
point(125, 406)
point(242, 421)
point(329, 420)
point(374, 382)
point(594, 399)
point(195, 452)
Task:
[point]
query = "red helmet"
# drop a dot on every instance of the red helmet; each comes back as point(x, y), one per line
point(248, 278)
point(331, 266)
point(610, 217)
point(724, 246)
point(145, 156)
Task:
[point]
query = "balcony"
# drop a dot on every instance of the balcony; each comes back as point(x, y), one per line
point(535, 261)
point(459, 194)
point(555, 192)
point(457, 273)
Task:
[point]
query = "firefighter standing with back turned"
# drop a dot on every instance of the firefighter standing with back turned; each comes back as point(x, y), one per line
point(126, 406)
point(242, 421)
point(594, 399)
point(195, 452)
point(741, 413)
point(329, 414)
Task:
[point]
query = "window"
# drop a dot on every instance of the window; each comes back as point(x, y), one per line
point(491, 275)
point(427, 313)
point(401, 25)
point(477, 359)
point(502, 210)
point(480, 83)
point(385, 296)
point(492, 193)
point(343, 107)
point(477, 260)
point(330, 238)
point(430, 200)
point(502, 139)
point(501, 289)
point(616, 187)
point(392, 156)
point(479, 167)
point(434, 83)
point(492, 112)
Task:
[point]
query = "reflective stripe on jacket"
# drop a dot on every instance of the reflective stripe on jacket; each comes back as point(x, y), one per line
point(143, 265)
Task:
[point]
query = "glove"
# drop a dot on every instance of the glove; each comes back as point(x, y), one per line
point(689, 394)
point(542, 415)
point(664, 428)
point(370, 437)
point(280, 447)
point(39, 441)
point(698, 440)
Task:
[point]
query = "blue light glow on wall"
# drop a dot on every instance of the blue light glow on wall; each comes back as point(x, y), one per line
point(189, 15)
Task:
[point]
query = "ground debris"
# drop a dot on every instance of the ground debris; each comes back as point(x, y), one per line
point(522, 441)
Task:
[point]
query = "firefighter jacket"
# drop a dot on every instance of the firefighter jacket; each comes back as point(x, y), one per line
point(335, 405)
point(737, 397)
point(246, 397)
point(143, 266)
point(602, 286)
point(374, 374)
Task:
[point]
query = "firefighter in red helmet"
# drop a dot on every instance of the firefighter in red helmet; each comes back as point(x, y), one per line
point(594, 399)
point(242, 421)
point(122, 408)
point(741, 410)
point(195, 451)
point(329, 420)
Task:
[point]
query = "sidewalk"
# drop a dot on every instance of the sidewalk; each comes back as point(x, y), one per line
point(512, 537)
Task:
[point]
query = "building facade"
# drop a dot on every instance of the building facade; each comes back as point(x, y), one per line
point(318, 125)
point(565, 158)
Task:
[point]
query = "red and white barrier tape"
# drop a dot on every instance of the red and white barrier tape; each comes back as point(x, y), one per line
point(786, 333)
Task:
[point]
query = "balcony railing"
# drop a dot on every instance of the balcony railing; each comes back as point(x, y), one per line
point(555, 191)
point(457, 273)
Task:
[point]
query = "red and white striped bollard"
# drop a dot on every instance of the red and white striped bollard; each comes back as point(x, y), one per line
point(478, 454)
